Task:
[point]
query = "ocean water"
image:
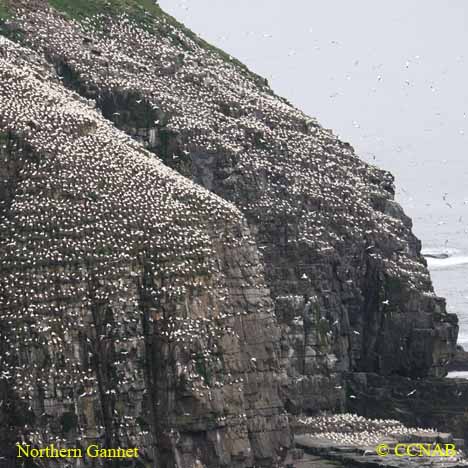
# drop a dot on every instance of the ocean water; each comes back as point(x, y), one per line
point(450, 278)
point(381, 78)
point(458, 375)
point(450, 281)
point(437, 201)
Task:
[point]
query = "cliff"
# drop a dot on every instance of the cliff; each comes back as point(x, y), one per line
point(186, 258)
point(133, 301)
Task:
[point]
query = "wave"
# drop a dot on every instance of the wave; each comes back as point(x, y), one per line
point(438, 258)
point(457, 375)
point(441, 263)
point(449, 251)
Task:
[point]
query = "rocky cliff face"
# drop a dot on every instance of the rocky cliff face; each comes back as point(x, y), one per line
point(134, 301)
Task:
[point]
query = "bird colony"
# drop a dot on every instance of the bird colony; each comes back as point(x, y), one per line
point(123, 286)
point(297, 170)
point(100, 233)
point(324, 220)
point(350, 432)
point(351, 429)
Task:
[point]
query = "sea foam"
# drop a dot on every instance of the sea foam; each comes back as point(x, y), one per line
point(453, 258)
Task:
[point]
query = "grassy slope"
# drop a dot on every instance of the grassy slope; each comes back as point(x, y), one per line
point(4, 13)
point(82, 8)
point(139, 10)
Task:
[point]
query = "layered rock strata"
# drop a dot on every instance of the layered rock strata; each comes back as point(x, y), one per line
point(134, 310)
point(172, 307)
point(350, 288)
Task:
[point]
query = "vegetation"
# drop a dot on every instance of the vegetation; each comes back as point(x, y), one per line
point(79, 9)
point(141, 11)
point(69, 421)
point(4, 11)
point(202, 368)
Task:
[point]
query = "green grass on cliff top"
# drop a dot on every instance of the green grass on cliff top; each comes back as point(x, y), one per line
point(4, 13)
point(82, 8)
point(138, 10)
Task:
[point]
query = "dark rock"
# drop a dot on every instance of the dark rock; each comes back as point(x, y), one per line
point(436, 403)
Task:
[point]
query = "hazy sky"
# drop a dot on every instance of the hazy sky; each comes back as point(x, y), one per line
point(389, 77)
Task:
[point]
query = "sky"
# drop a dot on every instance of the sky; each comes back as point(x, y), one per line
point(391, 78)
point(388, 77)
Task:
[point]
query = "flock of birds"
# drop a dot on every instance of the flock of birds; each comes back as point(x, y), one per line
point(351, 429)
point(294, 165)
point(280, 165)
point(363, 433)
point(105, 247)
point(105, 251)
